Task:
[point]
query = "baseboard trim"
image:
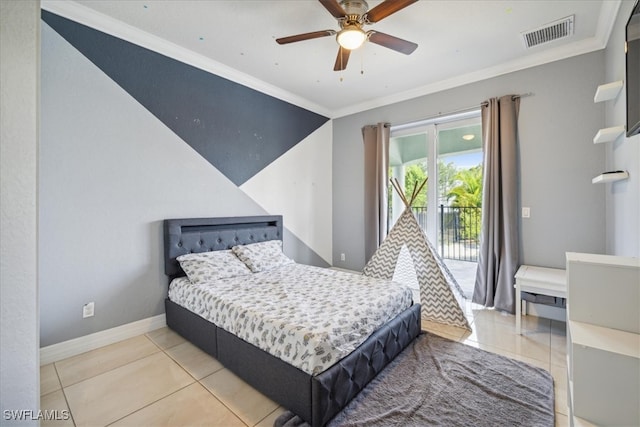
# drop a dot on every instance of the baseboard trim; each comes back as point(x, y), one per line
point(59, 351)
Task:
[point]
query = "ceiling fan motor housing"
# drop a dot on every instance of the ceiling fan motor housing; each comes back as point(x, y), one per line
point(354, 7)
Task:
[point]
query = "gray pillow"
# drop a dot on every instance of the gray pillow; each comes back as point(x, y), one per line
point(207, 267)
point(262, 256)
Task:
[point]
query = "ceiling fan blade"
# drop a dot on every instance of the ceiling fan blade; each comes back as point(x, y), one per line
point(395, 43)
point(342, 59)
point(385, 9)
point(305, 36)
point(334, 8)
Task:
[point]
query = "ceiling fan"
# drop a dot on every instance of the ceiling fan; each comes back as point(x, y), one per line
point(352, 15)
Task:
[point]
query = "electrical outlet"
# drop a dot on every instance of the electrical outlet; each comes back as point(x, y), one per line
point(343, 257)
point(87, 309)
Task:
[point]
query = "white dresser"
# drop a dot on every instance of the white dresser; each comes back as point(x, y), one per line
point(603, 339)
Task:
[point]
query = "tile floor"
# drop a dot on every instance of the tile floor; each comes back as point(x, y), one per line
point(159, 379)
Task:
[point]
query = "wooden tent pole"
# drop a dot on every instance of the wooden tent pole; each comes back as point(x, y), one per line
point(415, 193)
point(396, 186)
point(416, 190)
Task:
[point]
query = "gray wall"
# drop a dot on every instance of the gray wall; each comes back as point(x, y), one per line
point(19, 68)
point(110, 172)
point(557, 158)
point(112, 167)
point(622, 199)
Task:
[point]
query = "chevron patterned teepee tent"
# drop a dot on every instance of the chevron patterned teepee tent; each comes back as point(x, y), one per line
point(407, 256)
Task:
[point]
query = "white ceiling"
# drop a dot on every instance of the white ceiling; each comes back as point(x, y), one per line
point(459, 42)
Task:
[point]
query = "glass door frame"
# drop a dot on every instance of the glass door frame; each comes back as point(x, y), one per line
point(431, 127)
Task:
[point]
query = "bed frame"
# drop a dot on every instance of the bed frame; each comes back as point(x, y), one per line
point(315, 398)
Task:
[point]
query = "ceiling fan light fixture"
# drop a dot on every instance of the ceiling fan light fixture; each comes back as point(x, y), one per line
point(352, 15)
point(351, 37)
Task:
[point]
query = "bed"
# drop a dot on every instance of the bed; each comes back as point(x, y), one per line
point(315, 396)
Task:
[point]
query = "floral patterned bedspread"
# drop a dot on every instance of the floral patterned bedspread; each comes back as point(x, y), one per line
point(308, 316)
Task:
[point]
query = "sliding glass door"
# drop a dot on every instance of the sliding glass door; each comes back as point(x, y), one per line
point(447, 151)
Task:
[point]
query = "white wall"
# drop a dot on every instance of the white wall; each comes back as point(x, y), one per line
point(19, 71)
point(622, 198)
point(557, 157)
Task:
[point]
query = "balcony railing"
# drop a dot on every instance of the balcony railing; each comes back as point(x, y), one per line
point(459, 234)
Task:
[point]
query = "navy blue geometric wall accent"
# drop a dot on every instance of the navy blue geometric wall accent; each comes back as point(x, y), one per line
point(237, 129)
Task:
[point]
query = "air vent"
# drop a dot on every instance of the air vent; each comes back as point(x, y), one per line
point(553, 31)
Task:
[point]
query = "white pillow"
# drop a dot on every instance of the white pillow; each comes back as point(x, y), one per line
point(262, 256)
point(205, 267)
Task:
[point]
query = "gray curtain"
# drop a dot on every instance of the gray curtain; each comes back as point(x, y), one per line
point(376, 185)
point(499, 245)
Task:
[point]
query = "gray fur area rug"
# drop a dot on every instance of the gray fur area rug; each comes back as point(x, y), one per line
point(439, 382)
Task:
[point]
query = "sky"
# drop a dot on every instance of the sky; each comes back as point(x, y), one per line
point(464, 161)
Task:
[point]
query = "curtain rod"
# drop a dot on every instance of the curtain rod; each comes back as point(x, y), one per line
point(522, 95)
point(460, 113)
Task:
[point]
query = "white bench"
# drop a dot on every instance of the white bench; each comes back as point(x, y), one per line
point(537, 280)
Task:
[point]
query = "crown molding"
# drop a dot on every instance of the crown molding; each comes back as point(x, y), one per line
point(83, 15)
point(608, 14)
point(606, 20)
point(106, 24)
point(562, 52)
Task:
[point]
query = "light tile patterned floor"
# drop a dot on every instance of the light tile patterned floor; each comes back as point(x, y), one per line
point(159, 379)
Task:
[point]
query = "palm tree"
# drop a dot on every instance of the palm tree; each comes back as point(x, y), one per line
point(468, 194)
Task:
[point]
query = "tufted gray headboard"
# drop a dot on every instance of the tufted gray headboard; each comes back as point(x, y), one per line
point(192, 235)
